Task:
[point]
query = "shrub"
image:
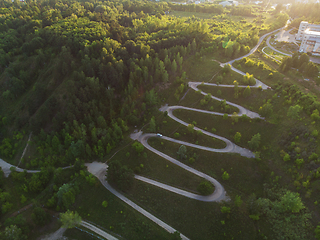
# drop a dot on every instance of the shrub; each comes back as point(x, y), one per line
point(225, 175)
point(286, 157)
point(104, 204)
point(225, 209)
point(255, 141)
point(205, 188)
point(191, 160)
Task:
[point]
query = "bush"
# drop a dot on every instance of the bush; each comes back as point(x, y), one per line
point(104, 204)
point(225, 209)
point(255, 141)
point(225, 175)
point(40, 216)
point(205, 188)
point(191, 160)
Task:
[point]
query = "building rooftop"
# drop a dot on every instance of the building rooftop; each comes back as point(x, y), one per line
point(314, 39)
point(308, 31)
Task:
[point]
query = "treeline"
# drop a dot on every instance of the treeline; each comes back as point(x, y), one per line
point(201, 8)
point(242, 11)
point(309, 11)
point(301, 63)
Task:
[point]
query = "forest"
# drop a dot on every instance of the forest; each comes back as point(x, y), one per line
point(77, 77)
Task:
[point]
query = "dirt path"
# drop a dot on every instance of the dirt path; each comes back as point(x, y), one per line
point(25, 149)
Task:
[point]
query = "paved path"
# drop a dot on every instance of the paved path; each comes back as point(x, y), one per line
point(312, 59)
point(242, 110)
point(276, 50)
point(254, 48)
point(270, 55)
point(286, 36)
point(99, 170)
point(57, 235)
point(98, 231)
point(258, 82)
point(6, 168)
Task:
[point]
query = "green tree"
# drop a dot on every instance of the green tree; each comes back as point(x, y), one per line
point(120, 175)
point(70, 219)
point(225, 209)
point(266, 110)
point(286, 157)
point(255, 141)
point(236, 89)
point(105, 204)
point(12, 232)
point(88, 150)
point(294, 111)
point(315, 115)
point(247, 92)
point(237, 137)
point(152, 125)
point(317, 232)
point(291, 202)
point(225, 175)
point(190, 128)
point(101, 122)
point(174, 66)
point(205, 188)
point(40, 216)
point(138, 147)
point(237, 201)
point(182, 152)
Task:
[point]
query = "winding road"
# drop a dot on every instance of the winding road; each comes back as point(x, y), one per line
point(99, 169)
point(312, 59)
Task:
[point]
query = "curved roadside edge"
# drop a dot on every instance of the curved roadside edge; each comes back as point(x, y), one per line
point(99, 170)
point(242, 110)
point(269, 55)
point(97, 230)
point(258, 82)
point(276, 50)
point(219, 193)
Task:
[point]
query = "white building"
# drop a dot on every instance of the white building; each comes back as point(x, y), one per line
point(229, 3)
point(309, 35)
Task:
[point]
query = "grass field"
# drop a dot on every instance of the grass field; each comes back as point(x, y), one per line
point(118, 217)
point(193, 100)
point(152, 166)
point(181, 14)
point(187, 215)
point(217, 17)
point(199, 70)
point(276, 55)
point(252, 102)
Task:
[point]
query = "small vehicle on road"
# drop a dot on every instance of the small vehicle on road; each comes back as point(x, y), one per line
point(159, 135)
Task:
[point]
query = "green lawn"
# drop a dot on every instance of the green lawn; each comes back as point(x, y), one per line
point(193, 100)
point(201, 69)
point(152, 166)
point(252, 102)
point(199, 220)
point(118, 217)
